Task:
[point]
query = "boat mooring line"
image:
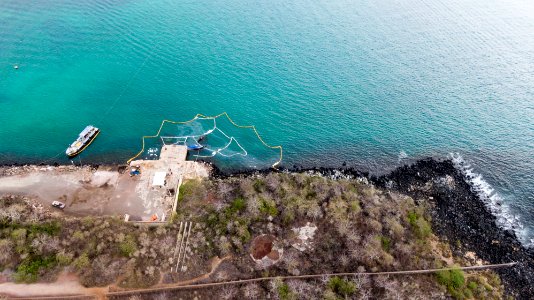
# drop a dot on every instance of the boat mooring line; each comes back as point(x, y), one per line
point(125, 87)
point(47, 160)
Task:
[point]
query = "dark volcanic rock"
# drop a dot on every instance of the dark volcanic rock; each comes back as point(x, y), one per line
point(460, 214)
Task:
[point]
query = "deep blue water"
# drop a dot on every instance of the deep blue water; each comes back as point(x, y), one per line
point(371, 83)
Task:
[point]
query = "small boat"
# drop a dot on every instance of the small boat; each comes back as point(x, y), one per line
point(194, 147)
point(85, 138)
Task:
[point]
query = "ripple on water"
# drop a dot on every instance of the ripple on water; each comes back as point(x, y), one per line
point(331, 81)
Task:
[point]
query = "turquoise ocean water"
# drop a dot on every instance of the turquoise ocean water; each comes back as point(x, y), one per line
point(371, 83)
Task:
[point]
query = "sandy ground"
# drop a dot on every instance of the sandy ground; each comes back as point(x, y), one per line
point(66, 284)
point(84, 191)
point(105, 191)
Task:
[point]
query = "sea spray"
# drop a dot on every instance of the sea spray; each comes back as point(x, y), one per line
point(493, 200)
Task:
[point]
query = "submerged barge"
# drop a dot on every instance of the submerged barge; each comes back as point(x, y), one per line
point(85, 138)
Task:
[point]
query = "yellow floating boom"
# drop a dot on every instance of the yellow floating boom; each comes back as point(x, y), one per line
point(211, 117)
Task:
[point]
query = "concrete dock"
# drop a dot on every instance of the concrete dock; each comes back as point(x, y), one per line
point(159, 179)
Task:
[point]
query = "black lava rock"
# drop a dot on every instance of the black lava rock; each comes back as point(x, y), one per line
point(460, 214)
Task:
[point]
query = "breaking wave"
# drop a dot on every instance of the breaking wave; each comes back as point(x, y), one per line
point(505, 218)
point(402, 156)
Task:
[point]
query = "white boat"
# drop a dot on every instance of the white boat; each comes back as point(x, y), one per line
point(85, 138)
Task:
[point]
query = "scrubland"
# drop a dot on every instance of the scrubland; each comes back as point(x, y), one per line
point(358, 228)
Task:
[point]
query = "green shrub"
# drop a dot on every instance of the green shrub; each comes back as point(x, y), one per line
point(88, 221)
point(128, 246)
point(472, 285)
point(218, 222)
point(454, 280)
point(337, 209)
point(19, 234)
point(81, 262)
point(51, 228)
point(258, 185)
point(412, 217)
point(78, 235)
point(28, 270)
point(187, 189)
point(244, 233)
point(330, 295)
point(386, 243)
point(212, 220)
point(268, 207)
point(341, 286)
point(285, 293)
point(311, 194)
point(467, 293)
point(238, 205)
point(369, 192)
point(19, 237)
point(423, 229)
point(288, 216)
point(355, 206)
point(457, 278)
point(420, 226)
point(63, 259)
point(444, 277)
point(494, 280)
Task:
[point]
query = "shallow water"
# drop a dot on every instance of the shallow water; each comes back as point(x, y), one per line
point(370, 83)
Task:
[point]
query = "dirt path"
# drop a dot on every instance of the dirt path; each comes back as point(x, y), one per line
point(182, 285)
point(215, 262)
point(68, 285)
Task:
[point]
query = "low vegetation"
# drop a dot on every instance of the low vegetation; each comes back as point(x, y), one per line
point(359, 229)
point(339, 287)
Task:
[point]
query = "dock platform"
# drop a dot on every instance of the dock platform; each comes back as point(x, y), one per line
point(158, 195)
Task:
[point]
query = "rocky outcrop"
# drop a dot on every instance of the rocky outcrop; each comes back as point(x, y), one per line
point(461, 216)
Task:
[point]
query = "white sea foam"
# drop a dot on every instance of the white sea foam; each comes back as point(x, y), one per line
point(505, 218)
point(153, 153)
point(402, 156)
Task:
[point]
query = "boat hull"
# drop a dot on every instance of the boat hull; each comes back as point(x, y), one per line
point(195, 147)
point(84, 146)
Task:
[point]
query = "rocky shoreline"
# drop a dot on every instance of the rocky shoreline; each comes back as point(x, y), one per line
point(461, 216)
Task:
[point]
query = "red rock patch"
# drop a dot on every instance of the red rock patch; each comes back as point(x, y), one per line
point(262, 246)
